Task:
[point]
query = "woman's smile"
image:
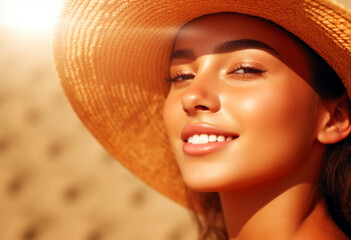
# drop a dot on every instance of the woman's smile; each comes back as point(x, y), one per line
point(203, 138)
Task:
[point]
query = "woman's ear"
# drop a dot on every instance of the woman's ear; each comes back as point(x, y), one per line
point(336, 121)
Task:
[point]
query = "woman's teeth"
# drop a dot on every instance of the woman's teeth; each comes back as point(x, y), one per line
point(204, 138)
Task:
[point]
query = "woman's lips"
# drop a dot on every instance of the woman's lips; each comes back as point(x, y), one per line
point(203, 138)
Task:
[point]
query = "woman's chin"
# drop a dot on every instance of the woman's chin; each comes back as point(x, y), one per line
point(209, 182)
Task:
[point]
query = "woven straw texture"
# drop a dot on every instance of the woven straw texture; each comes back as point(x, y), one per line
point(112, 59)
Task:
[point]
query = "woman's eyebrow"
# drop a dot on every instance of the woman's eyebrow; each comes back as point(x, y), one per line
point(226, 47)
point(241, 44)
point(183, 53)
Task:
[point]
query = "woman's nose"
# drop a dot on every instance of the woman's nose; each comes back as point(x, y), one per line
point(201, 96)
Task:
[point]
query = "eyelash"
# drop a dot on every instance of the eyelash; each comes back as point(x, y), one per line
point(249, 71)
point(183, 77)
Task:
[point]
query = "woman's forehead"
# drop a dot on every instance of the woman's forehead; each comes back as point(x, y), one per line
point(204, 35)
point(231, 26)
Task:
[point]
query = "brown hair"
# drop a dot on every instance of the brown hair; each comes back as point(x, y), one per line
point(335, 180)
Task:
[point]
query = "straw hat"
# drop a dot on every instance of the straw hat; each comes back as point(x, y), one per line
point(112, 58)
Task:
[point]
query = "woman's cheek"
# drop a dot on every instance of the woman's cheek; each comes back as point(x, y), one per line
point(277, 102)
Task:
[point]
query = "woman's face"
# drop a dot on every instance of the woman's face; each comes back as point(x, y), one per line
point(240, 109)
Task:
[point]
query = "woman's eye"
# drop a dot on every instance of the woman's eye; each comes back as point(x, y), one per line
point(181, 77)
point(247, 71)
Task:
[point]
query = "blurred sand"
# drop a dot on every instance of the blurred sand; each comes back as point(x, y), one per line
point(56, 182)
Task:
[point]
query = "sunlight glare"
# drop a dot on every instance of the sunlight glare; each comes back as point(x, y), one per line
point(31, 16)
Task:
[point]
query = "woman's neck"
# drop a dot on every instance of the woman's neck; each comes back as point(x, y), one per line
point(278, 210)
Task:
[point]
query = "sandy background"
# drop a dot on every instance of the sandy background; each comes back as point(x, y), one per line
point(56, 182)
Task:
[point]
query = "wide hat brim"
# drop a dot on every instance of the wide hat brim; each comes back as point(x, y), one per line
point(112, 59)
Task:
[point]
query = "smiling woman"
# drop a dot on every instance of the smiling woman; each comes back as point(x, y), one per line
point(32, 16)
point(251, 130)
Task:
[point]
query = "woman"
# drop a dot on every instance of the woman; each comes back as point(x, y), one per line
point(253, 114)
